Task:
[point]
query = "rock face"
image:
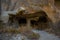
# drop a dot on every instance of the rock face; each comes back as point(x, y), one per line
point(31, 5)
point(48, 6)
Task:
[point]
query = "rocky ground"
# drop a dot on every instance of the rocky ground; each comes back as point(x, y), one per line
point(43, 36)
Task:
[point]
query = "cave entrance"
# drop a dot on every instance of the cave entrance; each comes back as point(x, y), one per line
point(42, 21)
point(22, 21)
point(43, 18)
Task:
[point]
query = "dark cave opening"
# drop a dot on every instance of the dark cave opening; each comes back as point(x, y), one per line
point(41, 23)
point(33, 22)
point(42, 19)
point(22, 21)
